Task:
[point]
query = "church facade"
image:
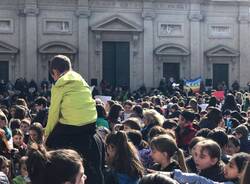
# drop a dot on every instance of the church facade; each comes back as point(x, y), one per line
point(128, 43)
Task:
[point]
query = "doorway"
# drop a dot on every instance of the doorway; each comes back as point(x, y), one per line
point(116, 65)
point(171, 70)
point(4, 70)
point(220, 75)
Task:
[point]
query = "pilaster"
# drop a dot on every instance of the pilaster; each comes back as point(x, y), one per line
point(30, 13)
point(244, 46)
point(148, 16)
point(83, 14)
point(195, 17)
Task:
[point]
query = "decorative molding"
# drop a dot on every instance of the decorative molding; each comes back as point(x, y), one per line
point(57, 47)
point(243, 19)
point(195, 17)
point(98, 39)
point(8, 49)
point(171, 6)
point(116, 23)
point(171, 29)
point(148, 15)
point(57, 26)
point(135, 43)
point(6, 25)
point(222, 51)
point(171, 49)
point(29, 11)
point(83, 12)
point(220, 30)
point(115, 4)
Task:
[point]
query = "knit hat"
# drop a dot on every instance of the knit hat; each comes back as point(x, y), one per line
point(188, 115)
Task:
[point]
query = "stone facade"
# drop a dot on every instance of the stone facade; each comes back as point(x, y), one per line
point(195, 34)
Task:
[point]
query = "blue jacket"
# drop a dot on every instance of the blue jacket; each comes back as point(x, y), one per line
point(125, 179)
point(192, 178)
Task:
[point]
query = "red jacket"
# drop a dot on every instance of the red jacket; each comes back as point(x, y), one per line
point(184, 136)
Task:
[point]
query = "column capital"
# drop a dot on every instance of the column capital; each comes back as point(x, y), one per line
point(29, 11)
point(83, 13)
point(243, 19)
point(195, 17)
point(148, 15)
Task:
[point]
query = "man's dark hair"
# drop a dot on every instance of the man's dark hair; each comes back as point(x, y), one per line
point(61, 63)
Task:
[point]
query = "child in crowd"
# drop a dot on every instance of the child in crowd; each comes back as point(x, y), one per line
point(55, 167)
point(5, 166)
point(128, 105)
point(142, 146)
point(163, 149)
point(151, 118)
point(25, 126)
point(233, 145)
point(241, 132)
point(23, 178)
point(18, 141)
point(207, 158)
point(4, 126)
point(131, 123)
point(189, 160)
point(101, 116)
point(15, 123)
point(122, 160)
point(233, 172)
point(36, 133)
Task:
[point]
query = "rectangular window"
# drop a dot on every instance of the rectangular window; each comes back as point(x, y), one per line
point(220, 31)
point(6, 26)
point(57, 26)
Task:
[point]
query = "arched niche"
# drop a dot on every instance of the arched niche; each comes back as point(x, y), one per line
point(48, 50)
point(171, 55)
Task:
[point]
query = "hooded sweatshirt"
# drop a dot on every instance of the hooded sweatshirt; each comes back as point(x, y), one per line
point(71, 102)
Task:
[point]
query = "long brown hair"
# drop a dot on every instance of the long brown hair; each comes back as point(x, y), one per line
point(165, 143)
point(126, 160)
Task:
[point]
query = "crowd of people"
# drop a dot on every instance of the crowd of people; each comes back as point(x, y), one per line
point(58, 134)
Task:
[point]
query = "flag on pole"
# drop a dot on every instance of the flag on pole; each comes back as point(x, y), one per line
point(193, 84)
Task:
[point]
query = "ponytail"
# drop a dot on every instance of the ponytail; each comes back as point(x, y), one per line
point(181, 160)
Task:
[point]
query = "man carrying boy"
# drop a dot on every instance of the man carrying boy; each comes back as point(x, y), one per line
point(72, 117)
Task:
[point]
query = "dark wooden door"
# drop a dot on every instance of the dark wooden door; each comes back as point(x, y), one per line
point(220, 75)
point(4, 70)
point(171, 70)
point(116, 63)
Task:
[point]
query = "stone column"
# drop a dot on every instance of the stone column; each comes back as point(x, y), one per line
point(196, 58)
point(30, 12)
point(148, 44)
point(243, 74)
point(83, 14)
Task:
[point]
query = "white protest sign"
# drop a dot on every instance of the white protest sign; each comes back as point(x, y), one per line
point(104, 99)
